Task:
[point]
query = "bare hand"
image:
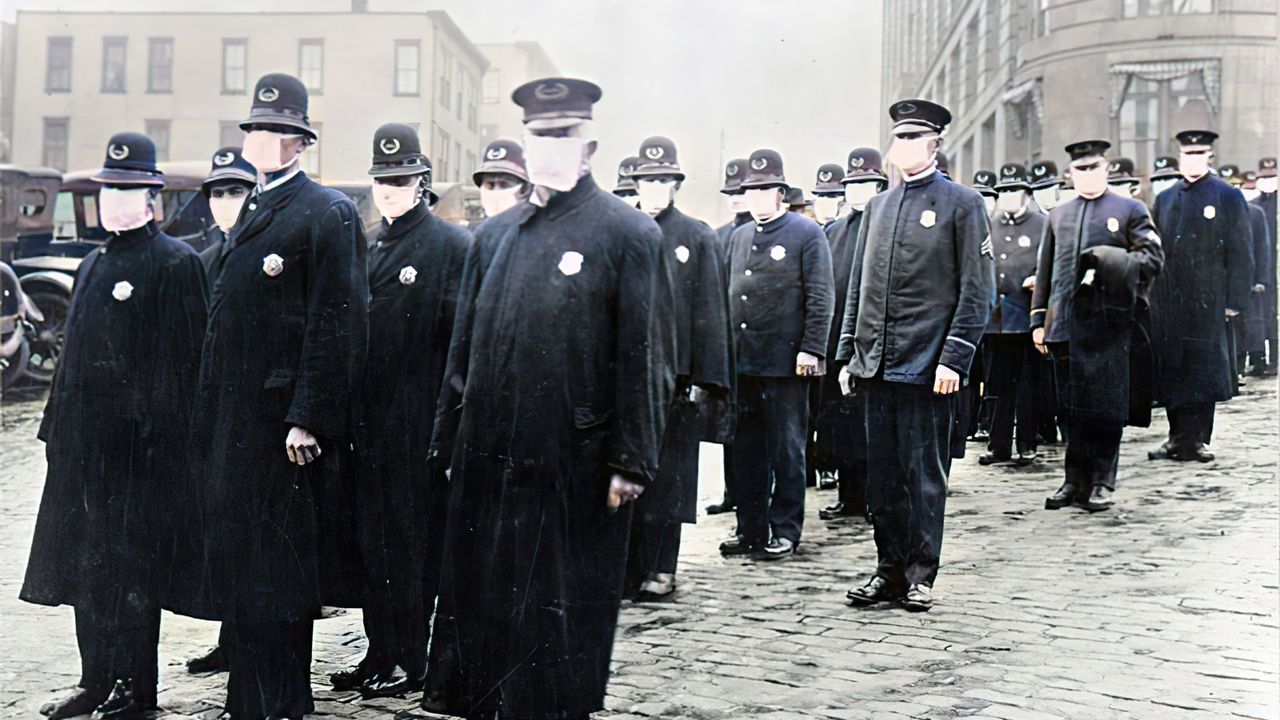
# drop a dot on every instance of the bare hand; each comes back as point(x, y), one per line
point(623, 491)
point(1232, 313)
point(697, 394)
point(302, 446)
point(1037, 338)
point(1029, 283)
point(806, 365)
point(846, 381)
point(1259, 288)
point(945, 380)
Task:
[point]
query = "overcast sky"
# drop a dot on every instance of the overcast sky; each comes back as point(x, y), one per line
point(800, 76)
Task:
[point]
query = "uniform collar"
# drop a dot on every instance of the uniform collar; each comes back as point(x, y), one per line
point(297, 168)
point(741, 218)
point(406, 222)
point(561, 203)
point(278, 186)
point(129, 238)
point(923, 178)
point(667, 212)
point(1017, 218)
point(774, 224)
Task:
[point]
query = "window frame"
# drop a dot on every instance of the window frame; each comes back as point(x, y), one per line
point(243, 44)
point(303, 43)
point(50, 42)
point(65, 123)
point(108, 42)
point(152, 44)
point(397, 69)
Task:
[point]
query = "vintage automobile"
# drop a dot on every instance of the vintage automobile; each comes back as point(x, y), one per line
point(16, 330)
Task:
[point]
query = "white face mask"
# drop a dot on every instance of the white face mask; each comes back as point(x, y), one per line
point(1090, 183)
point(1193, 165)
point(1046, 198)
point(764, 204)
point(989, 203)
point(910, 155)
point(226, 210)
point(1250, 194)
point(120, 209)
point(1159, 186)
point(265, 150)
point(555, 162)
point(495, 201)
point(655, 195)
point(738, 203)
point(858, 194)
point(1267, 184)
point(826, 207)
point(1011, 202)
point(393, 201)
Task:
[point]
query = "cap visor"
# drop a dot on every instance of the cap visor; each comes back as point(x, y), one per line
point(128, 177)
point(282, 120)
point(398, 171)
point(553, 123)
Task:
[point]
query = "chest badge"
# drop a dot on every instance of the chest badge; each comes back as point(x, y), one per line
point(272, 265)
point(122, 291)
point(1024, 241)
point(1113, 224)
point(778, 253)
point(682, 254)
point(1210, 212)
point(408, 275)
point(571, 263)
point(928, 218)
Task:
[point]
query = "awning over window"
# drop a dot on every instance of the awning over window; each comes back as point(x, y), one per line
point(1210, 70)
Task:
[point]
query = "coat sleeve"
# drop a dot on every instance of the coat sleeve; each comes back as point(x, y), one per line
point(977, 286)
point(819, 293)
point(51, 405)
point(1262, 272)
point(1044, 276)
point(849, 323)
point(644, 356)
point(1145, 248)
point(710, 356)
point(1239, 253)
point(334, 344)
point(449, 404)
point(183, 313)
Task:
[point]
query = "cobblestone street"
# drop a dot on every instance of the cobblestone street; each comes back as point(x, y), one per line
point(1165, 607)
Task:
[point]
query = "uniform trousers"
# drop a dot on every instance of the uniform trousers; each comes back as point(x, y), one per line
point(908, 458)
point(117, 637)
point(1191, 426)
point(769, 457)
point(1011, 386)
point(269, 669)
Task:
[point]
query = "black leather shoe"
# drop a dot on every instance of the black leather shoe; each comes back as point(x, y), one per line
point(721, 507)
point(876, 590)
point(1026, 457)
point(827, 481)
point(1164, 452)
point(1062, 497)
point(919, 598)
point(835, 511)
point(738, 546)
point(1099, 499)
point(355, 677)
point(658, 587)
point(395, 683)
point(81, 702)
point(981, 436)
point(1196, 454)
point(993, 459)
point(122, 704)
point(214, 661)
point(777, 549)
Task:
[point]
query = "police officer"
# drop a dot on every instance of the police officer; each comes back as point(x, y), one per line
point(560, 378)
point(1121, 177)
point(1047, 191)
point(414, 269)
point(701, 316)
point(919, 298)
point(1208, 274)
point(625, 188)
point(501, 177)
point(230, 180)
point(283, 353)
point(1164, 175)
point(828, 194)
point(734, 171)
point(1097, 259)
point(1266, 200)
point(841, 443)
point(1010, 374)
point(798, 203)
point(780, 293)
point(1046, 184)
point(115, 427)
point(984, 182)
point(973, 408)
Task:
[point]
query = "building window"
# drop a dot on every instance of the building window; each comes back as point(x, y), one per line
point(457, 161)
point(57, 73)
point(55, 143)
point(311, 64)
point(440, 155)
point(311, 156)
point(235, 54)
point(113, 64)
point(492, 81)
point(461, 80)
point(230, 134)
point(408, 67)
point(1153, 109)
point(160, 65)
point(446, 79)
point(473, 106)
point(158, 131)
point(1041, 8)
point(1145, 8)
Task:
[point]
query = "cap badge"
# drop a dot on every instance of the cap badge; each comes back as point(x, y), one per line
point(1039, 170)
point(824, 176)
point(1162, 163)
point(1114, 167)
point(408, 275)
point(654, 153)
point(551, 91)
point(907, 108)
point(731, 170)
point(389, 146)
point(496, 153)
point(1008, 171)
point(857, 162)
point(628, 169)
point(122, 291)
point(759, 163)
point(118, 152)
point(268, 94)
point(224, 159)
point(1228, 172)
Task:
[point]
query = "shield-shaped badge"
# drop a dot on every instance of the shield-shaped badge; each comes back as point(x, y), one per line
point(1210, 212)
point(778, 253)
point(928, 218)
point(1024, 241)
point(408, 275)
point(1113, 224)
point(571, 263)
point(682, 254)
point(122, 291)
point(272, 265)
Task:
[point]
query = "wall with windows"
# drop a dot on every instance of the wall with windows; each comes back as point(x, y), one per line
point(186, 78)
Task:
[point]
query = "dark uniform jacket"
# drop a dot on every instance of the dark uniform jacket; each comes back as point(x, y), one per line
point(1208, 268)
point(1255, 328)
point(1267, 202)
point(1016, 241)
point(727, 229)
point(780, 294)
point(115, 425)
point(560, 374)
point(840, 421)
point(284, 347)
point(922, 285)
point(1103, 324)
